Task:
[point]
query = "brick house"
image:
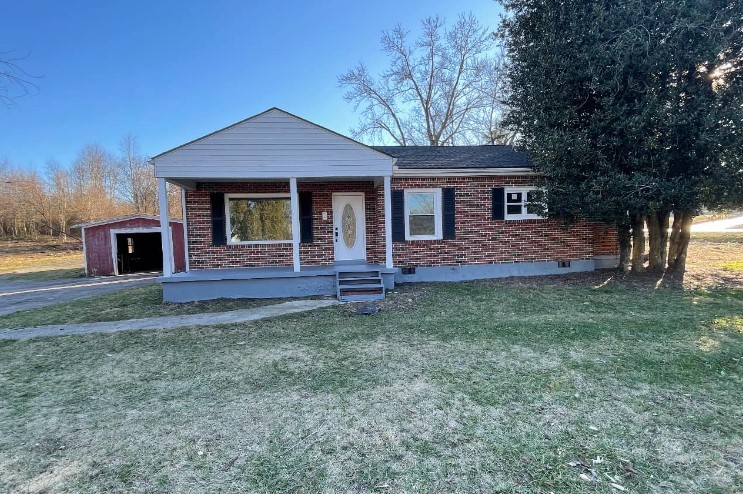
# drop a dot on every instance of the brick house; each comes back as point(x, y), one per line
point(278, 206)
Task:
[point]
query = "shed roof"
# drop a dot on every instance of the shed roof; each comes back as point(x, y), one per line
point(127, 217)
point(433, 157)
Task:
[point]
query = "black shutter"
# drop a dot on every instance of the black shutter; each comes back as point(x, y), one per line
point(219, 227)
point(499, 203)
point(398, 216)
point(448, 219)
point(305, 217)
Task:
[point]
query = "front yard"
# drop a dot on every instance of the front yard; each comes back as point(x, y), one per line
point(473, 387)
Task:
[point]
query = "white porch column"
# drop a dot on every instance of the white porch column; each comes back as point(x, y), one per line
point(167, 244)
point(185, 227)
point(295, 221)
point(388, 221)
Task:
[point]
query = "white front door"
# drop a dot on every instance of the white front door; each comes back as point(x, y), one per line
point(349, 227)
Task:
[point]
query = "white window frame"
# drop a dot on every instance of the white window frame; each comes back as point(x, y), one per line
point(523, 216)
point(228, 226)
point(437, 215)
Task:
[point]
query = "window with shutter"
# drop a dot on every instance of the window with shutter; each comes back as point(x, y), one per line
point(423, 214)
point(517, 203)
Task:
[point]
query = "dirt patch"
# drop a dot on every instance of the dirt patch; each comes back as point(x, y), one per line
point(20, 256)
point(403, 298)
point(44, 246)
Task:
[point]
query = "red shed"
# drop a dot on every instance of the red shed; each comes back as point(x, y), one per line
point(129, 244)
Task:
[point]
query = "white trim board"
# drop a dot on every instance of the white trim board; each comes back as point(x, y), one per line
point(460, 172)
point(150, 229)
point(85, 251)
point(185, 230)
point(128, 217)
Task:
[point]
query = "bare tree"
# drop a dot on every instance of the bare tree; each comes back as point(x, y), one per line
point(14, 81)
point(137, 184)
point(436, 90)
point(59, 191)
point(93, 179)
point(494, 89)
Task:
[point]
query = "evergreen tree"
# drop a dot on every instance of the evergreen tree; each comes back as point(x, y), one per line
point(630, 110)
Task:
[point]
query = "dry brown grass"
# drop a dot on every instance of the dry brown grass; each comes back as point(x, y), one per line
point(23, 256)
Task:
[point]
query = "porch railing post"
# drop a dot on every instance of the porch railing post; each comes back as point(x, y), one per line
point(295, 222)
point(185, 227)
point(167, 243)
point(388, 221)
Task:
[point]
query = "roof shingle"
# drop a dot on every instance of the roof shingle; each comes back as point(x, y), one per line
point(432, 157)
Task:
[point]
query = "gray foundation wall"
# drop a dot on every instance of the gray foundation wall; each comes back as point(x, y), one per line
point(485, 271)
point(190, 291)
point(314, 285)
point(280, 287)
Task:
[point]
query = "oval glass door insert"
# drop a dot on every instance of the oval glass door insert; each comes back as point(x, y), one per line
point(348, 226)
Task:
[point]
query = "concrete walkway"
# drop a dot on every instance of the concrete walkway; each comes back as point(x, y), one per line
point(168, 322)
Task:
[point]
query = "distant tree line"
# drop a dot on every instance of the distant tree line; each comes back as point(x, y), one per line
point(97, 184)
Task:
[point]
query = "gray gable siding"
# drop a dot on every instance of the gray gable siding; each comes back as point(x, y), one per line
point(273, 144)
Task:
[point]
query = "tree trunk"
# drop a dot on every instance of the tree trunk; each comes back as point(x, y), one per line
point(638, 242)
point(658, 239)
point(625, 246)
point(679, 244)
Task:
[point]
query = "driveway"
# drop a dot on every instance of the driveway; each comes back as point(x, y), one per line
point(728, 225)
point(18, 295)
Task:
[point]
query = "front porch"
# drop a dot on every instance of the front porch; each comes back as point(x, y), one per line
point(270, 204)
point(268, 282)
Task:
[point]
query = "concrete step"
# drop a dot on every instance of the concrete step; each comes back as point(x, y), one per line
point(365, 286)
point(359, 284)
point(362, 279)
point(361, 297)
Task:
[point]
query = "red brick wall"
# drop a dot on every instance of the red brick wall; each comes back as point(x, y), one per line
point(479, 238)
point(605, 240)
point(203, 254)
point(98, 244)
point(482, 240)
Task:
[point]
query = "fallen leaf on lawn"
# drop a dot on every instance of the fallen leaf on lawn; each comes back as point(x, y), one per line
point(627, 466)
point(585, 477)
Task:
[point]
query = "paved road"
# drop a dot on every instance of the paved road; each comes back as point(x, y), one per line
point(720, 226)
point(18, 295)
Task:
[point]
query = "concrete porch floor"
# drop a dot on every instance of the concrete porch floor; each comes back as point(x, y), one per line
point(263, 282)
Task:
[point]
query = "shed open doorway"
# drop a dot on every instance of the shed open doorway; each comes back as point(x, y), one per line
point(136, 252)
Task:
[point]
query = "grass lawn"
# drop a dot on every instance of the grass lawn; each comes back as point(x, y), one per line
point(47, 274)
point(134, 303)
point(472, 387)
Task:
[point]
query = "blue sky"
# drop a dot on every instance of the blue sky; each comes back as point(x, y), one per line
point(168, 72)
